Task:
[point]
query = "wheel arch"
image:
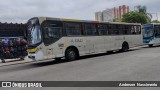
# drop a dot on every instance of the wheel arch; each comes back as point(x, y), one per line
point(74, 47)
point(125, 42)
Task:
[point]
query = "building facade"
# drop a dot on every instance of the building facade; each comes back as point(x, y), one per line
point(113, 13)
point(99, 16)
point(108, 15)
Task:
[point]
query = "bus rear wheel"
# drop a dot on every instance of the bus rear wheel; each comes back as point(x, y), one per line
point(22, 58)
point(125, 47)
point(150, 45)
point(3, 61)
point(71, 54)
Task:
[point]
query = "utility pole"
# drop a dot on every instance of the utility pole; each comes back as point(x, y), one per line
point(156, 15)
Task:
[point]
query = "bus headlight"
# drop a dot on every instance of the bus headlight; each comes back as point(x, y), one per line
point(32, 50)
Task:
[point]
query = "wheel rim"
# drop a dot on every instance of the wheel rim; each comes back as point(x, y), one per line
point(125, 47)
point(72, 55)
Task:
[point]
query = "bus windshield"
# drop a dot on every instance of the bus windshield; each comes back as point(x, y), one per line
point(34, 33)
point(148, 31)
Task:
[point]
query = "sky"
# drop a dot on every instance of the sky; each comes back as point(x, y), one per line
point(21, 10)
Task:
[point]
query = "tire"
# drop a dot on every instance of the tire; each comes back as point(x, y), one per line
point(150, 45)
point(125, 47)
point(71, 54)
point(3, 61)
point(22, 58)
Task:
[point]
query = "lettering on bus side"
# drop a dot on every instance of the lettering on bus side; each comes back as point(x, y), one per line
point(76, 40)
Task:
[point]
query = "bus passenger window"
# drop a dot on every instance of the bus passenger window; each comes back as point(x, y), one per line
point(110, 29)
point(157, 30)
point(116, 29)
point(121, 30)
point(103, 29)
point(133, 29)
point(73, 29)
point(54, 33)
point(139, 29)
point(129, 29)
point(90, 29)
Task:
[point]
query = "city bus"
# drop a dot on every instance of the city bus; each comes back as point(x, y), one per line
point(151, 34)
point(55, 38)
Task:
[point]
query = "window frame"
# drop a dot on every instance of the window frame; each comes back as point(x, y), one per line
point(95, 29)
point(46, 24)
point(103, 29)
point(65, 28)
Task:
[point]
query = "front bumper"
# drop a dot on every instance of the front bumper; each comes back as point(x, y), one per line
point(36, 56)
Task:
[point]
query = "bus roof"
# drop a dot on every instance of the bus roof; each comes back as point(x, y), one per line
point(89, 21)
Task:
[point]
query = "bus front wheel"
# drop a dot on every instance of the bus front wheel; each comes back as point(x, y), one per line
point(71, 54)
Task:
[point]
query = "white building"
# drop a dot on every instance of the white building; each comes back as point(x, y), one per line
point(108, 15)
point(98, 16)
point(113, 13)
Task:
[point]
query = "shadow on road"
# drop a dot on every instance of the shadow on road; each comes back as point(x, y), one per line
point(41, 64)
point(38, 64)
point(152, 46)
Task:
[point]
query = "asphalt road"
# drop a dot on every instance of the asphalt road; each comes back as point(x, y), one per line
point(140, 64)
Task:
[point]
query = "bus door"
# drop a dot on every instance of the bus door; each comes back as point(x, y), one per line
point(157, 34)
point(52, 33)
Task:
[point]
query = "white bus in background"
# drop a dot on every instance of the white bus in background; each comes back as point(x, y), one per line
point(50, 38)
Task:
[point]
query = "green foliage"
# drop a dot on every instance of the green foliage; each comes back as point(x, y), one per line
point(143, 10)
point(117, 20)
point(135, 17)
point(155, 21)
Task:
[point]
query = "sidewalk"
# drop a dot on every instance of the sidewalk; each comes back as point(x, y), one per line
point(15, 61)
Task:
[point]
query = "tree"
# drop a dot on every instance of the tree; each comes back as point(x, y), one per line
point(117, 20)
point(134, 17)
point(155, 21)
point(143, 10)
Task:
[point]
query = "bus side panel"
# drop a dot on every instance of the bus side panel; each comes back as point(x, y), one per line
point(155, 40)
point(90, 41)
point(134, 40)
point(119, 41)
point(110, 43)
point(54, 50)
point(99, 45)
point(78, 42)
